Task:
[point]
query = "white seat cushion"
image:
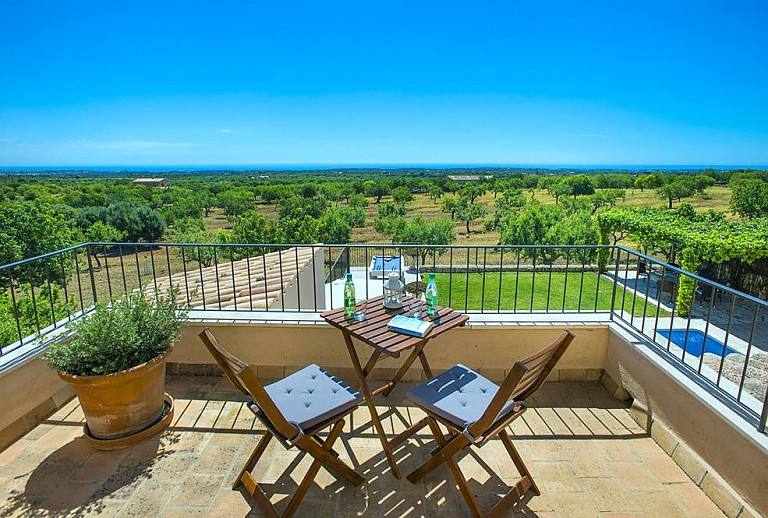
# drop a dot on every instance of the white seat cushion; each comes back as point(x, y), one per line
point(459, 395)
point(310, 396)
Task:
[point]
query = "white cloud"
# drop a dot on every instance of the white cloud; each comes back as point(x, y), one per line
point(225, 130)
point(585, 135)
point(6, 140)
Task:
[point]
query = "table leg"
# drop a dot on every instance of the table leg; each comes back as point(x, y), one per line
point(418, 352)
point(371, 405)
point(371, 362)
point(425, 365)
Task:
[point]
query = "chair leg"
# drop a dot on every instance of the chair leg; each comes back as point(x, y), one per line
point(323, 451)
point(245, 478)
point(461, 481)
point(261, 447)
point(526, 477)
point(454, 445)
point(322, 456)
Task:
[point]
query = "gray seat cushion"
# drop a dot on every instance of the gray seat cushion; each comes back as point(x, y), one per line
point(459, 395)
point(310, 396)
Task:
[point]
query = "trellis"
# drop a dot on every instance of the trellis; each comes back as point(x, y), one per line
point(698, 238)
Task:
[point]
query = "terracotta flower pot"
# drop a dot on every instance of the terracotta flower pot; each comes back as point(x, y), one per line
point(122, 404)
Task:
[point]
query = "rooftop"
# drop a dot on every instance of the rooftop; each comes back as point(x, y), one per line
point(587, 453)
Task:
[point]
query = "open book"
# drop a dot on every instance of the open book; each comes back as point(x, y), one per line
point(410, 326)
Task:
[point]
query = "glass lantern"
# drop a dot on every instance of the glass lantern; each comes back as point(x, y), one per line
point(393, 292)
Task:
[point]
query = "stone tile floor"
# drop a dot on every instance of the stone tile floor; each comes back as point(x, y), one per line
point(588, 456)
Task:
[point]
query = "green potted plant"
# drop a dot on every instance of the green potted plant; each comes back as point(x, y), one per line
point(115, 360)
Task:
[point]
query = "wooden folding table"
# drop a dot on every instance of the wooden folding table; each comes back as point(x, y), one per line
point(373, 332)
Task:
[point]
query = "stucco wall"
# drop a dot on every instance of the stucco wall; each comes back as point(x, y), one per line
point(301, 294)
point(29, 393)
point(492, 349)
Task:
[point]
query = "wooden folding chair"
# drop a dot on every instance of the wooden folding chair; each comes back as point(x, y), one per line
point(293, 410)
point(475, 410)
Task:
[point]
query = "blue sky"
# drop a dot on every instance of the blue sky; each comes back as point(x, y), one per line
point(236, 82)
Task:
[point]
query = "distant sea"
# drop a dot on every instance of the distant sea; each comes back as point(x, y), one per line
point(313, 167)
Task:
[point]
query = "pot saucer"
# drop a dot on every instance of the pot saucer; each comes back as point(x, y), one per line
point(129, 440)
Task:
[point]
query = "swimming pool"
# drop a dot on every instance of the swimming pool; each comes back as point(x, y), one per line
point(696, 342)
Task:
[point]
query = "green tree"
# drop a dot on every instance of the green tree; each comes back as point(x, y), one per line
point(750, 198)
point(434, 192)
point(254, 228)
point(193, 231)
point(28, 230)
point(648, 181)
point(676, 190)
point(235, 202)
point(137, 221)
point(580, 184)
point(102, 233)
point(420, 232)
point(333, 228)
point(472, 191)
point(557, 189)
point(355, 216)
point(469, 212)
point(296, 207)
point(376, 189)
point(450, 205)
point(357, 200)
point(402, 195)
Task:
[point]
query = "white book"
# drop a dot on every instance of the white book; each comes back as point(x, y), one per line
point(410, 326)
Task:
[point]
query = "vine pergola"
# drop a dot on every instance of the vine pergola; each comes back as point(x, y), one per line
point(697, 239)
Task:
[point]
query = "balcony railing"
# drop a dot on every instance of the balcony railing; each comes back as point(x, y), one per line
point(719, 338)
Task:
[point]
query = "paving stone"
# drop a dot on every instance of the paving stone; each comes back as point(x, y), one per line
point(637, 477)
point(666, 469)
point(150, 499)
point(693, 499)
point(609, 495)
point(574, 505)
point(661, 504)
point(556, 477)
point(586, 455)
point(588, 464)
point(198, 490)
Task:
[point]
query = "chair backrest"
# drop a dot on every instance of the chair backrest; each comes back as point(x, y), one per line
point(244, 378)
point(523, 380)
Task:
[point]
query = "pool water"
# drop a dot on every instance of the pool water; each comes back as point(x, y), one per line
point(696, 342)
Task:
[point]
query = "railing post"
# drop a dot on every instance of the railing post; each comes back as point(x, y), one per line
point(615, 281)
point(90, 274)
point(764, 415)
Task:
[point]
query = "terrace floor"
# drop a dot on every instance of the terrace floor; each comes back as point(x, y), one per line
point(587, 454)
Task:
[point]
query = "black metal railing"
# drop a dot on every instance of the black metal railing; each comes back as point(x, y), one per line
point(42, 294)
point(713, 332)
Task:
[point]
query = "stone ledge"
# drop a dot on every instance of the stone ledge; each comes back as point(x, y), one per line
point(34, 417)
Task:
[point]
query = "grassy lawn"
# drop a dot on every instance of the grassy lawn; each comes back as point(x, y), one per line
point(517, 290)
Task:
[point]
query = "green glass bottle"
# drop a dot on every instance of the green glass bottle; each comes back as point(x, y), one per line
point(431, 295)
point(349, 297)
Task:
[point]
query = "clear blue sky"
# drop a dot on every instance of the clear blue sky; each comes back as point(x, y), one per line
point(506, 82)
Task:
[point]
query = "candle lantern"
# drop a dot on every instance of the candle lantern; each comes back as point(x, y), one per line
point(393, 292)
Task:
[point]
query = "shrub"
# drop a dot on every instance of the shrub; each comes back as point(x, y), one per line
point(115, 338)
